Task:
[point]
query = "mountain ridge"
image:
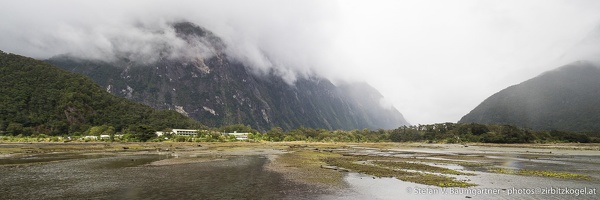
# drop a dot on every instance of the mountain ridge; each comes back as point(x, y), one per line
point(559, 99)
point(213, 88)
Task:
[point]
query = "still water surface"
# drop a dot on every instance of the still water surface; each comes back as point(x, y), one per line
point(128, 177)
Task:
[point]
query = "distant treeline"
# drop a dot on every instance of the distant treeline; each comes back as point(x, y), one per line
point(433, 133)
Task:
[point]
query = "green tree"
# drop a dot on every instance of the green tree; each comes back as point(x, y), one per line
point(275, 134)
point(142, 133)
point(14, 128)
point(101, 130)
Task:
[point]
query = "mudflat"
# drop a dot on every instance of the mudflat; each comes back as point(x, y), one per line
point(298, 170)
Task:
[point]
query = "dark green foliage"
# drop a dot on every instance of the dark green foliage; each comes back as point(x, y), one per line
point(276, 134)
point(101, 130)
point(439, 133)
point(141, 133)
point(36, 97)
point(472, 132)
point(508, 134)
point(563, 99)
point(569, 137)
point(405, 134)
point(15, 129)
point(473, 128)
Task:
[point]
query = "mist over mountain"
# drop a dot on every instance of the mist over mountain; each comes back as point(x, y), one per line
point(204, 82)
point(562, 99)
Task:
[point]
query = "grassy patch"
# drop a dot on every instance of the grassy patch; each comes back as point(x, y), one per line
point(383, 145)
point(379, 171)
point(425, 160)
point(305, 166)
point(524, 172)
point(419, 167)
point(10, 150)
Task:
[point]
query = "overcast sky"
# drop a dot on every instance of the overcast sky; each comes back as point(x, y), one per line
point(433, 60)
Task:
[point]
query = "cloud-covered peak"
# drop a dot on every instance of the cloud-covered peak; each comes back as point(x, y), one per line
point(405, 49)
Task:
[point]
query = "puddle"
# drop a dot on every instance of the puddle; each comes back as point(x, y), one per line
point(367, 187)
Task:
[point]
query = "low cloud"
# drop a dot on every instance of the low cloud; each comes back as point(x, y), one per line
point(267, 35)
point(433, 60)
point(137, 42)
point(587, 49)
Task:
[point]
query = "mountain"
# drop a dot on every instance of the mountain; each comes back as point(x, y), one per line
point(36, 97)
point(562, 99)
point(218, 90)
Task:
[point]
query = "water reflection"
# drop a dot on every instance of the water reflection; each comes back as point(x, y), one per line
point(369, 187)
point(127, 177)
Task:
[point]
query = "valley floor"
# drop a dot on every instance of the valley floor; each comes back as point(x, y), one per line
point(298, 170)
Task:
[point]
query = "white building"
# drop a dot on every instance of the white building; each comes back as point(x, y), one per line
point(91, 137)
point(183, 132)
point(186, 132)
point(238, 136)
point(191, 132)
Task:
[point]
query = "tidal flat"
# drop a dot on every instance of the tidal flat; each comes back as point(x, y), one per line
point(298, 170)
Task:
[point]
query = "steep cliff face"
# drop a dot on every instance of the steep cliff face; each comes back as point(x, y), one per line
point(561, 99)
point(217, 90)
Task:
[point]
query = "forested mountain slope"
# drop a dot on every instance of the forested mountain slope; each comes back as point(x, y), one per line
point(36, 97)
point(567, 98)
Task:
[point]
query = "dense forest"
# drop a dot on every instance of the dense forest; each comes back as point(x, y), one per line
point(38, 98)
point(432, 133)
